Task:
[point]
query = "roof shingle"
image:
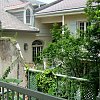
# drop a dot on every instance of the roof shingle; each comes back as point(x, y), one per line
point(12, 22)
point(62, 6)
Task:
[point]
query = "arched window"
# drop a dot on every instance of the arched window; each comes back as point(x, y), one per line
point(37, 49)
point(28, 15)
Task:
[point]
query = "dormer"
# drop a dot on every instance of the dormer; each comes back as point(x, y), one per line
point(23, 11)
point(28, 15)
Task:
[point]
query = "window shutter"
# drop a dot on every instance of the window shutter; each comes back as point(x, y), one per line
point(73, 27)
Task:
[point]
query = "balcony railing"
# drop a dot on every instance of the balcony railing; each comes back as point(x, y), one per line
point(13, 92)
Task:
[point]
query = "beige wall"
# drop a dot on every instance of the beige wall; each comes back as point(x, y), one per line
point(52, 19)
point(43, 23)
point(23, 37)
point(26, 38)
point(74, 19)
point(43, 27)
point(29, 38)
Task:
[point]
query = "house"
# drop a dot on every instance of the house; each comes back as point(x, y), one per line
point(33, 30)
point(62, 12)
point(70, 12)
point(16, 17)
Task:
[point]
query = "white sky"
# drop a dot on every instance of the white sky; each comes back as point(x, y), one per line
point(46, 1)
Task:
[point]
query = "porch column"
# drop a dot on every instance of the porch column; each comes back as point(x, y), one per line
point(63, 22)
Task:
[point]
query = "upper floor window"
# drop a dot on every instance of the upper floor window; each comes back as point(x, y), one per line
point(28, 14)
point(82, 25)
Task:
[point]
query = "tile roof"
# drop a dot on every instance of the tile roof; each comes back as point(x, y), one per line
point(12, 22)
point(63, 5)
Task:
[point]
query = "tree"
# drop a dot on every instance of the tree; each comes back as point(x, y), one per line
point(92, 37)
point(93, 32)
point(65, 52)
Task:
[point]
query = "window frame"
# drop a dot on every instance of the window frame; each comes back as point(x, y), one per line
point(36, 50)
point(28, 15)
point(84, 26)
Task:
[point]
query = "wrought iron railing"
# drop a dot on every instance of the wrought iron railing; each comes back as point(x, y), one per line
point(13, 92)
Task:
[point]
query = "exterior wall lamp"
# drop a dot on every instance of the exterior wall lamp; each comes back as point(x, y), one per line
point(25, 46)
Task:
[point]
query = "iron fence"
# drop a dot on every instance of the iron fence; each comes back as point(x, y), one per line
point(70, 88)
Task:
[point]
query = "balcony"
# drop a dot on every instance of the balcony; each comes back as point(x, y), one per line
point(13, 92)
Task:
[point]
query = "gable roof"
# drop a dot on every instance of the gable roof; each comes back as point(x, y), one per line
point(63, 6)
point(11, 22)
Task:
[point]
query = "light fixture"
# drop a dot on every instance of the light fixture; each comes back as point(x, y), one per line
point(25, 46)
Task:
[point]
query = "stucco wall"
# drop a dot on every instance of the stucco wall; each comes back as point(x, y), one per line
point(29, 38)
point(9, 58)
point(26, 37)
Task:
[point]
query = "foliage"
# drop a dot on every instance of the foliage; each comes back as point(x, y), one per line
point(77, 56)
point(66, 52)
point(17, 81)
point(74, 56)
point(56, 32)
point(92, 36)
point(65, 87)
point(47, 82)
point(93, 32)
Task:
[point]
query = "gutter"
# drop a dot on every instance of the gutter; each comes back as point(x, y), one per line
point(61, 12)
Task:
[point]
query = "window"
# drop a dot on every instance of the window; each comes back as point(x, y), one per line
point(82, 25)
point(28, 16)
point(37, 49)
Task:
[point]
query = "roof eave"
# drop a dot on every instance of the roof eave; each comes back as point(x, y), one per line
point(15, 30)
point(61, 12)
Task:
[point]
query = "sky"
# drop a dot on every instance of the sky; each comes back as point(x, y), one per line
point(47, 1)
